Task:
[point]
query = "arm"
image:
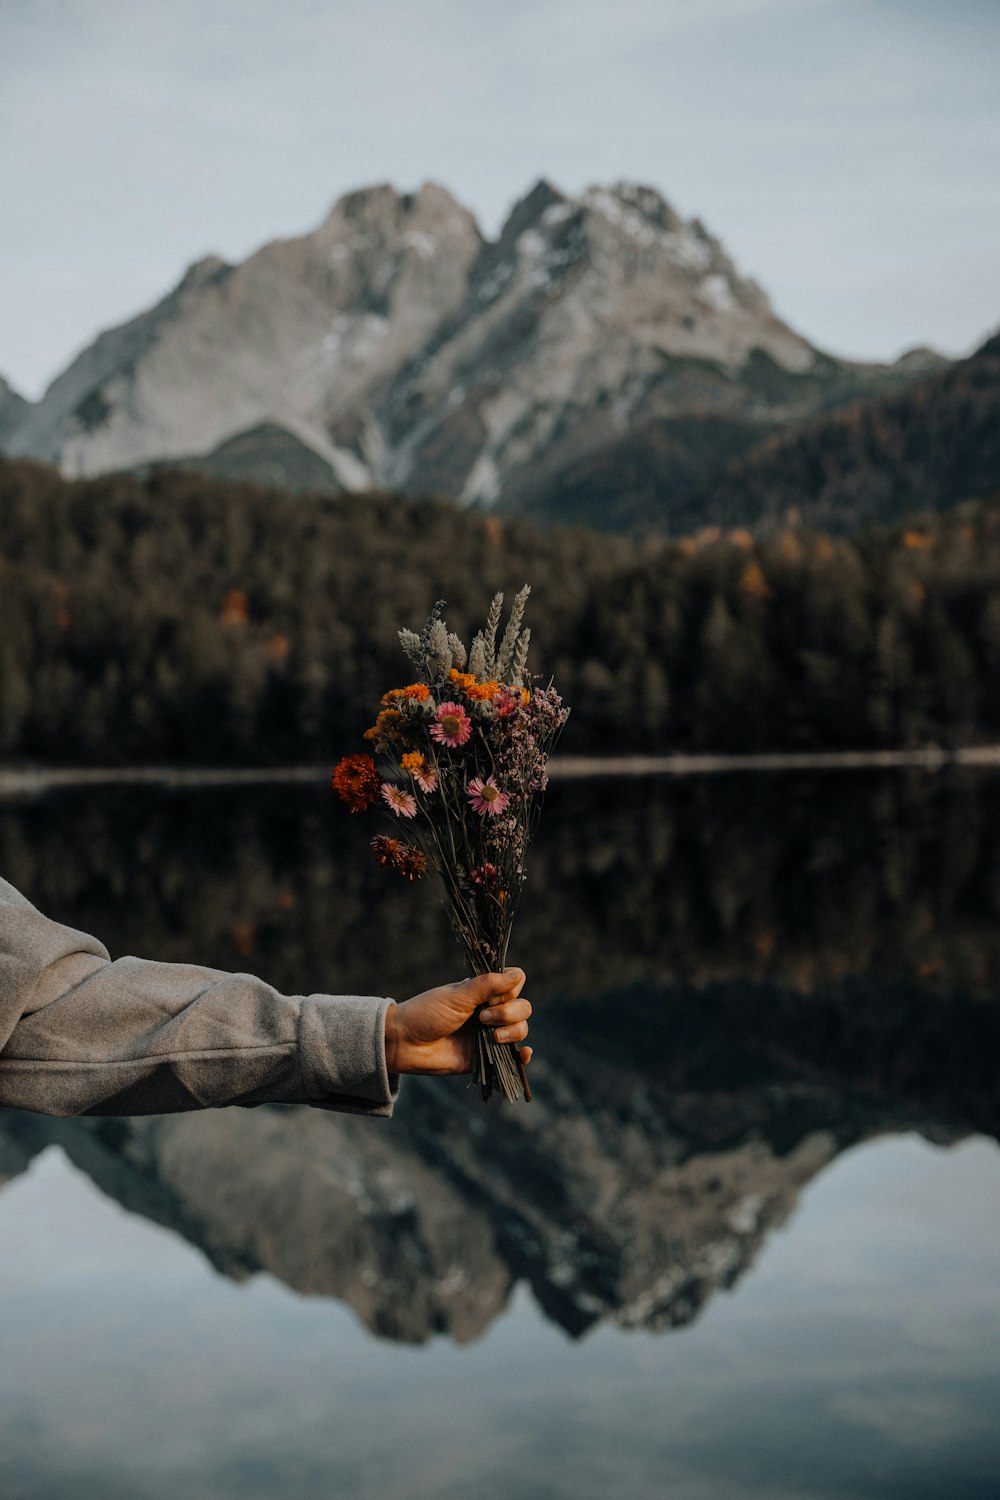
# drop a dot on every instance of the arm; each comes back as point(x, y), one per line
point(80, 1034)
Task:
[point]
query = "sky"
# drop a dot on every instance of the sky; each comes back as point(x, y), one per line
point(847, 152)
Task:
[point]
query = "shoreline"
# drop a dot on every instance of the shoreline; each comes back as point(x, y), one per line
point(30, 781)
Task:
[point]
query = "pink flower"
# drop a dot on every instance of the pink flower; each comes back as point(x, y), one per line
point(403, 804)
point(427, 781)
point(486, 796)
point(452, 725)
point(507, 700)
point(483, 874)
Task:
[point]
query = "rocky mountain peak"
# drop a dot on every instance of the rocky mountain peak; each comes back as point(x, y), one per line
point(203, 272)
point(626, 201)
point(431, 211)
point(405, 350)
point(527, 211)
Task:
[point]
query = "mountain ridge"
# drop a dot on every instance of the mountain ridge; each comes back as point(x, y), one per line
point(408, 351)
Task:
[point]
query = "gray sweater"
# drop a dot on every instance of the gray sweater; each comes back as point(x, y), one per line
point(82, 1035)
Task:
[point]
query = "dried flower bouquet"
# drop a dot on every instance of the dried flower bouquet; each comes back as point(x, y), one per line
point(463, 750)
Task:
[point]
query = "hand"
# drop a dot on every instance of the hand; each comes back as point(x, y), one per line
point(434, 1032)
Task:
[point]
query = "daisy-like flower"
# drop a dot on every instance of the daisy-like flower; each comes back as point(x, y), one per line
point(426, 780)
point(403, 804)
point(356, 782)
point(452, 725)
point(485, 796)
point(387, 851)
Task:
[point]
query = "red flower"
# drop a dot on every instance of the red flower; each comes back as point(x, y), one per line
point(356, 782)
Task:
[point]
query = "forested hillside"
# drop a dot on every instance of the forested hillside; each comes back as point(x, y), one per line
point(186, 619)
point(922, 448)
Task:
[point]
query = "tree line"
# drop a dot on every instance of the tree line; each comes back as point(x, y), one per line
point(179, 618)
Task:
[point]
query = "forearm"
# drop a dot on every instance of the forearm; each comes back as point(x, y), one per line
point(141, 1037)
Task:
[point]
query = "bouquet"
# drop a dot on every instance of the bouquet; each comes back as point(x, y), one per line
point(462, 752)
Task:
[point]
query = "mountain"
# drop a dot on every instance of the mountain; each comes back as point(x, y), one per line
point(13, 410)
point(268, 455)
point(295, 335)
point(407, 351)
point(921, 449)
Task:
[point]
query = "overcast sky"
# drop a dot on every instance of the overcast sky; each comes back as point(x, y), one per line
point(847, 152)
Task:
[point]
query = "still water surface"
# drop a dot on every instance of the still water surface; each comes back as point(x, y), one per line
point(743, 1244)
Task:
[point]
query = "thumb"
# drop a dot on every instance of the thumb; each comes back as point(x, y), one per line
point(487, 987)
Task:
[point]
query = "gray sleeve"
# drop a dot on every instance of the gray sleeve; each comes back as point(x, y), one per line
point(85, 1035)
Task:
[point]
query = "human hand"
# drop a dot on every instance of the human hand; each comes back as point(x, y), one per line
point(435, 1032)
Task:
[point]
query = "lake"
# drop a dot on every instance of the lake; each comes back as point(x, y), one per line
point(743, 1243)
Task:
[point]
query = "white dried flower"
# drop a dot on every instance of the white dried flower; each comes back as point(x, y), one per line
point(430, 622)
point(410, 642)
point(521, 659)
point(477, 658)
point(458, 652)
point(438, 651)
point(505, 660)
point(490, 635)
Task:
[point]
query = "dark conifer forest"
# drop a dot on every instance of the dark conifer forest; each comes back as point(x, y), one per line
point(184, 619)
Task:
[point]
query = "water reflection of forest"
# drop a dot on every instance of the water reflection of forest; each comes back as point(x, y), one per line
point(799, 880)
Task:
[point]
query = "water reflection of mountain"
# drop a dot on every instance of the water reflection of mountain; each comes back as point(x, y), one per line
point(735, 981)
point(672, 1130)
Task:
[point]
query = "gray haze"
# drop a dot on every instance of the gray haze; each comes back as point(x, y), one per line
point(846, 151)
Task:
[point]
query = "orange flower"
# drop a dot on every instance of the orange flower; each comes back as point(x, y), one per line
point(412, 761)
point(482, 692)
point(463, 680)
point(418, 691)
point(356, 782)
point(386, 726)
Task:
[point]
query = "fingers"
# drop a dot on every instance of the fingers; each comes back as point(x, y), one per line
point(506, 1013)
point(509, 1019)
point(513, 1028)
point(526, 1054)
point(515, 1033)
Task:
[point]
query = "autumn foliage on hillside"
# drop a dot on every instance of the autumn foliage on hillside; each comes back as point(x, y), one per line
point(184, 619)
point(926, 447)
